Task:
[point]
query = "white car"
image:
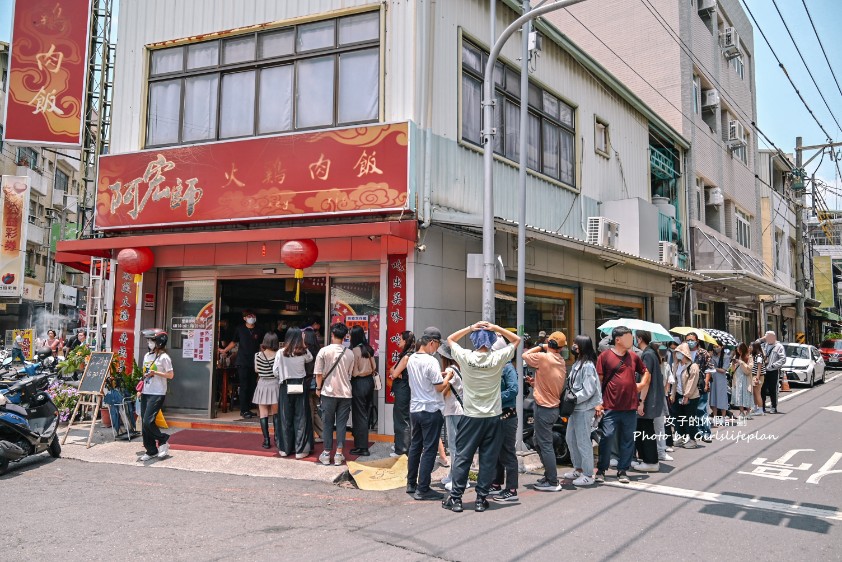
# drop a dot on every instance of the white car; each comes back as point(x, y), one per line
point(804, 364)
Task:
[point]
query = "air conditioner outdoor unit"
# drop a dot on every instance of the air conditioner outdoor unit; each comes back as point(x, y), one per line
point(714, 197)
point(668, 253)
point(603, 232)
point(707, 6)
point(710, 98)
point(33, 219)
point(729, 41)
point(736, 134)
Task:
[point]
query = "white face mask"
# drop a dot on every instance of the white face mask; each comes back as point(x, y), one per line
point(251, 320)
point(151, 345)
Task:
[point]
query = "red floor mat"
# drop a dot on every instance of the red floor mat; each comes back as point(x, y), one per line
point(238, 444)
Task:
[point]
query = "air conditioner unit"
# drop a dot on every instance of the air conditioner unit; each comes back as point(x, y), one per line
point(710, 98)
point(736, 134)
point(668, 253)
point(707, 6)
point(729, 41)
point(603, 232)
point(33, 219)
point(714, 197)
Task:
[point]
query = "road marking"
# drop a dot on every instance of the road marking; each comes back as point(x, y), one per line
point(740, 501)
point(833, 408)
point(803, 390)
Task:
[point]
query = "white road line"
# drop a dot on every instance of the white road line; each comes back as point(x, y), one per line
point(797, 392)
point(731, 500)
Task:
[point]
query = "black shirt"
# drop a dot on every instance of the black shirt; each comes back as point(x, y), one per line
point(249, 342)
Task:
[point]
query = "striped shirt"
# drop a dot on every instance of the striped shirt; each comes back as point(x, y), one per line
point(263, 365)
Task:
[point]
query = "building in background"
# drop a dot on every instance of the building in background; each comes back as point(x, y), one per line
point(693, 63)
point(55, 181)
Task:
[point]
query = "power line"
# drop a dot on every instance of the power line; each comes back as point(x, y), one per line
point(783, 69)
point(822, 46)
point(798, 50)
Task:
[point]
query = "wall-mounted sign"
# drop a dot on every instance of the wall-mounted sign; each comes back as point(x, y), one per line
point(14, 204)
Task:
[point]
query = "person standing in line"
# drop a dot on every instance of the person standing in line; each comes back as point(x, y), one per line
point(290, 368)
point(584, 382)
point(504, 488)
point(662, 430)
point(266, 392)
point(758, 374)
point(248, 338)
point(686, 396)
point(481, 371)
point(157, 370)
point(362, 386)
point(453, 400)
point(312, 334)
point(721, 359)
point(427, 384)
point(701, 357)
point(775, 359)
point(548, 384)
point(52, 342)
point(654, 406)
point(622, 401)
point(333, 368)
point(402, 394)
point(741, 394)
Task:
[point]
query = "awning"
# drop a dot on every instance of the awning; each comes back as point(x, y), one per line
point(747, 282)
point(826, 314)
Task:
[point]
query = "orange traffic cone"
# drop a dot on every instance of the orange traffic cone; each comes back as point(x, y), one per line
point(785, 385)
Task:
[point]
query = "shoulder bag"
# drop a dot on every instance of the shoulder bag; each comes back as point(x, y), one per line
point(378, 384)
point(568, 397)
point(452, 389)
point(598, 432)
point(292, 387)
point(330, 372)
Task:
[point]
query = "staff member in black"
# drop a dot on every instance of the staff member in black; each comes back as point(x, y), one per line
point(248, 337)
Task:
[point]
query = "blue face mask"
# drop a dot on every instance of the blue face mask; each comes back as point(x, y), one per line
point(692, 345)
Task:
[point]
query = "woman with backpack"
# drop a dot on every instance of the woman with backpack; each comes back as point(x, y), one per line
point(402, 394)
point(157, 370)
point(583, 381)
point(685, 394)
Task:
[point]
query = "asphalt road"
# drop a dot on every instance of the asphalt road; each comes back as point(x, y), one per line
point(716, 502)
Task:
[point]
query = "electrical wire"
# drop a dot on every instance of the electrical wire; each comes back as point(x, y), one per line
point(803, 60)
point(815, 31)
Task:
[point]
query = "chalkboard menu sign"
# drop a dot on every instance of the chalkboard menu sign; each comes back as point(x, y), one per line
point(96, 372)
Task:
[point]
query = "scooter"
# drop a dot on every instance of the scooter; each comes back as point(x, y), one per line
point(562, 453)
point(28, 422)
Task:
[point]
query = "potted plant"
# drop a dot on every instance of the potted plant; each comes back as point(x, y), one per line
point(75, 361)
point(65, 398)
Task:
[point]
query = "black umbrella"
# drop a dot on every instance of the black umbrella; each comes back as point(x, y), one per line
point(723, 337)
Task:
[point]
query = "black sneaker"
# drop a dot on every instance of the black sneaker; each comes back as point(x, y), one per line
point(495, 489)
point(506, 496)
point(622, 477)
point(481, 504)
point(428, 495)
point(599, 476)
point(453, 504)
point(410, 488)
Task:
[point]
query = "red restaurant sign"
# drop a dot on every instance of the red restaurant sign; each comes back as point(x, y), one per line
point(47, 72)
point(125, 313)
point(396, 316)
point(346, 171)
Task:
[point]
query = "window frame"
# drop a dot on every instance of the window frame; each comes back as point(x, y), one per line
point(742, 228)
point(606, 132)
point(257, 64)
point(697, 94)
point(503, 95)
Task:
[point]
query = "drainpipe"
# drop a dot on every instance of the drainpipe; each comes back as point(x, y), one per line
point(429, 31)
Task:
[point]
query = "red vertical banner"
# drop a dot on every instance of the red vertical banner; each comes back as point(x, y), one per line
point(45, 103)
point(395, 315)
point(125, 313)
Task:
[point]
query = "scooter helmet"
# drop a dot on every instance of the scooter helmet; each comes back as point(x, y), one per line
point(157, 335)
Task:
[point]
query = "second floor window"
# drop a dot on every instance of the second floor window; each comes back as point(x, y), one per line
point(27, 157)
point(743, 229)
point(61, 181)
point(551, 142)
point(314, 75)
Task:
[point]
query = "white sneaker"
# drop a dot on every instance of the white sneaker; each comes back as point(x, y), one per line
point(338, 459)
point(300, 456)
point(645, 467)
point(691, 444)
point(669, 449)
point(163, 450)
point(324, 458)
point(572, 475)
point(613, 463)
point(449, 486)
point(393, 454)
point(665, 457)
point(584, 481)
point(144, 458)
point(773, 411)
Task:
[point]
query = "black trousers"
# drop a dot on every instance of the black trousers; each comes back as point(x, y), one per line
point(150, 405)
point(362, 390)
point(473, 434)
point(248, 380)
point(400, 414)
point(644, 441)
point(296, 421)
point(507, 469)
point(426, 429)
point(687, 422)
point(770, 388)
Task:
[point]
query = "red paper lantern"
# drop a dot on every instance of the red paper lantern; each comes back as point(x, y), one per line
point(136, 260)
point(299, 255)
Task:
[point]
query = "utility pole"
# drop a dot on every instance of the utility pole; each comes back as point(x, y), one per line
point(800, 285)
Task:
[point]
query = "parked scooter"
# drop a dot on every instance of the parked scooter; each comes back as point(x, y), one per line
point(562, 453)
point(28, 421)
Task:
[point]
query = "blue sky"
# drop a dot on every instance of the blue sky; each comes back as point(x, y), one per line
point(781, 115)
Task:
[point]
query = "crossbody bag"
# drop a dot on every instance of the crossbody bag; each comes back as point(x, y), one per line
point(568, 398)
point(293, 387)
point(333, 368)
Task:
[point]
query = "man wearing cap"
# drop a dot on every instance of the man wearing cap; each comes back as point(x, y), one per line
point(426, 384)
point(775, 359)
point(481, 371)
point(548, 385)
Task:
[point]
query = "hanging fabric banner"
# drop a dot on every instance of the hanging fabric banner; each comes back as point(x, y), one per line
point(395, 315)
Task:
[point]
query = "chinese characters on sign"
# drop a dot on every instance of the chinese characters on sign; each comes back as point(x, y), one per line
point(125, 313)
point(784, 467)
point(14, 191)
point(395, 315)
point(47, 72)
point(352, 171)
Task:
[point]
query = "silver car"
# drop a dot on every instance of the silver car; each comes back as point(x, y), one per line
point(804, 364)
